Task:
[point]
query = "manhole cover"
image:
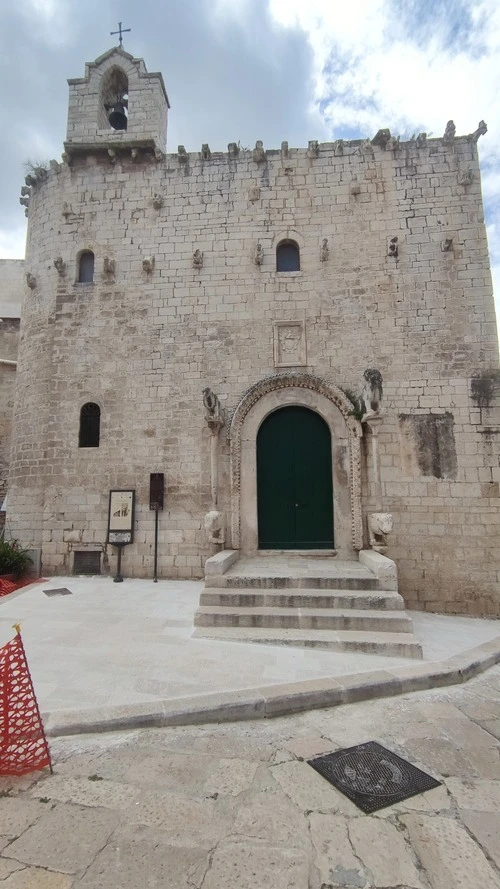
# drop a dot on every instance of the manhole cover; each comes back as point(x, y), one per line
point(60, 591)
point(372, 776)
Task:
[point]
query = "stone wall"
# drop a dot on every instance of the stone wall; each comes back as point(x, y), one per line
point(143, 343)
point(11, 292)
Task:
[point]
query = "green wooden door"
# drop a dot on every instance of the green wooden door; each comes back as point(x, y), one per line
point(294, 481)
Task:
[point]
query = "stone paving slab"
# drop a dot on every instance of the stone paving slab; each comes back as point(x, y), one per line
point(237, 804)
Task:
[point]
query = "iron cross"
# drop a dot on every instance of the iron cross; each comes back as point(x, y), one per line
point(120, 31)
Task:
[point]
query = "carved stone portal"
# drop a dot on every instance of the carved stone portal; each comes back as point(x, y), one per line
point(294, 388)
point(289, 344)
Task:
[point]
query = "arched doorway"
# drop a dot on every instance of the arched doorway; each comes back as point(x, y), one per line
point(294, 481)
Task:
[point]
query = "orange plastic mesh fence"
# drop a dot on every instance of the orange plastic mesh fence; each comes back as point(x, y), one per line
point(23, 745)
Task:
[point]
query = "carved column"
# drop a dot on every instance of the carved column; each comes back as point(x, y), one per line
point(373, 424)
point(214, 416)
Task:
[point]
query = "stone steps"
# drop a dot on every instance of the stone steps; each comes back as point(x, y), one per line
point(304, 619)
point(402, 645)
point(379, 600)
point(361, 581)
point(310, 601)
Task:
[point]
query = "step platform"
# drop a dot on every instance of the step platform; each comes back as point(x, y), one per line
point(306, 600)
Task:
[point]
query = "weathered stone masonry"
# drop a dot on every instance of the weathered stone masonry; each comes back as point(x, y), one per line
point(159, 323)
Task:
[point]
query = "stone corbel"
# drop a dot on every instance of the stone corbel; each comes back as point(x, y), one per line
point(60, 265)
point(30, 281)
point(148, 264)
point(381, 138)
point(482, 129)
point(197, 259)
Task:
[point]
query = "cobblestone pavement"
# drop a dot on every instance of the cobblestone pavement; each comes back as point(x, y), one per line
point(238, 806)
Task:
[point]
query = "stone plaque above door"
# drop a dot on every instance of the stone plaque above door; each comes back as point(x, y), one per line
point(289, 344)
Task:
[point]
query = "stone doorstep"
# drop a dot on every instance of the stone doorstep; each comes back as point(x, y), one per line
point(269, 582)
point(303, 618)
point(386, 644)
point(381, 600)
point(280, 700)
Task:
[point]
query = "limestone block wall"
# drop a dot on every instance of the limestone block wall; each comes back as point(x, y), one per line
point(143, 344)
point(11, 293)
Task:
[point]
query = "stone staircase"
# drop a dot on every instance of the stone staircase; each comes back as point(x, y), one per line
point(306, 600)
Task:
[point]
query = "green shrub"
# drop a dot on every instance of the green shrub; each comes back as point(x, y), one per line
point(13, 558)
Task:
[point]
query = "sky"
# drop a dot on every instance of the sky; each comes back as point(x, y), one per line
point(242, 70)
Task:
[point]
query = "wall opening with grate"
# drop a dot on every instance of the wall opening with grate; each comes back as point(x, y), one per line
point(86, 562)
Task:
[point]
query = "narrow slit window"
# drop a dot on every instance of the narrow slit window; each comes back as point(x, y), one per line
point(288, 257)
point(90, 423)
point(86, 267)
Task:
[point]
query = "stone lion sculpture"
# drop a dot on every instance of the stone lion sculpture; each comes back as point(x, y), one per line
point(214, 526)
point(372, 392)
point(380, 524)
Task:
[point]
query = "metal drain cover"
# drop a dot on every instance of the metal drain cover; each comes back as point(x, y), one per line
point(60, 591)
point(372, 776)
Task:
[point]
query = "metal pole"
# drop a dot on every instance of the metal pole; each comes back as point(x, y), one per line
point(119, 578)
point(156, 548)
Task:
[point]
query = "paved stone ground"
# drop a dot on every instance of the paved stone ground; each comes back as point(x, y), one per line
point(131, 643)
point(236, 805)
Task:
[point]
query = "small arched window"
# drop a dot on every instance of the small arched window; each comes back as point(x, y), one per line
point(287, 257)
point(86, 267)
point(90, 422)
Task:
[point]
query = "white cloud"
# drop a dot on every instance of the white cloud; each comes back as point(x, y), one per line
point(12, 242)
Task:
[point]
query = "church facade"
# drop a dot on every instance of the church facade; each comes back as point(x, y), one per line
point(217, 316)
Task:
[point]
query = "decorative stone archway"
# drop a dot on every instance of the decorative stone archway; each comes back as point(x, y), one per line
point(330, 402)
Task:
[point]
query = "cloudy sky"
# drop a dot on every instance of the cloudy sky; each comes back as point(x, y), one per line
point(241, 70)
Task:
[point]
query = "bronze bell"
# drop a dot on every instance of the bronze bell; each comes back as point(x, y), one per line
point(117, 117)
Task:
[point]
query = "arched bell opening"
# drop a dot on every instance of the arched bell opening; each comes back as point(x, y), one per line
point(113, 105)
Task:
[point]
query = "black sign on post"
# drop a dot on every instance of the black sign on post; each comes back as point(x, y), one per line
point(156, 489)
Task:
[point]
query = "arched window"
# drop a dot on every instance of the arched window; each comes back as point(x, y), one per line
point(113, 104)
point(287, 257)
point(86, 267)
point(90, 421)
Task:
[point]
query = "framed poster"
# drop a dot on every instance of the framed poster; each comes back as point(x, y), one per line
point(121, 517)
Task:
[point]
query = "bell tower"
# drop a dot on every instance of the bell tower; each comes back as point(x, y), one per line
point(117, 106)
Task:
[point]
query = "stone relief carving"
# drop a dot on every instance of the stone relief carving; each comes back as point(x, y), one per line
point(289, 344)
point(30, 281)
point(109, 266)
point(197, 259)
point(158, 201)
point(466, 177)
point(148, 264)
point(214, 526)
point(59, 265)
point(372, 392)
point(447, 245)
point(254, 193)
point(393, 247)
point(258, 254)
point(213, 411)
point(449, 133)
point(324, 252)
point(380, 525)
point(354, 429)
